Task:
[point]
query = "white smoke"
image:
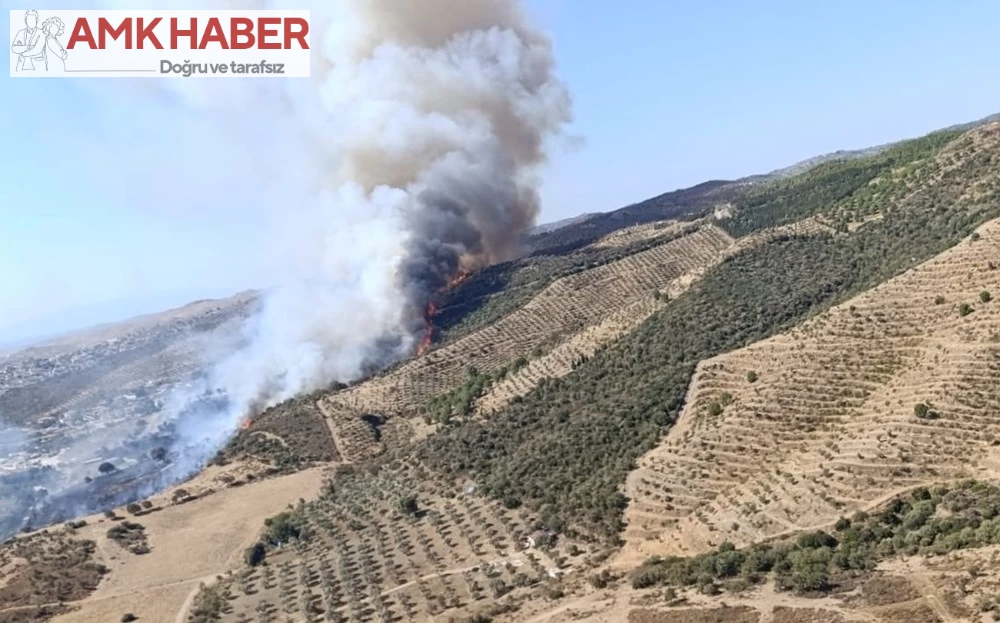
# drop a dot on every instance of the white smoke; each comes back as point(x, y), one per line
point(412, 149)
point(411, 152)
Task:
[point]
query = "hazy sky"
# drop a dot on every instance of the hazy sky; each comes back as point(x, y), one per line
point(666, 95)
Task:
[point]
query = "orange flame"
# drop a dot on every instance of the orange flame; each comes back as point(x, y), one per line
point(457, 279)
point(432, 311)
point(429, 314)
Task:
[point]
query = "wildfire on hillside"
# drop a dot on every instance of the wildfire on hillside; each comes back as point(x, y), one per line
point(457, 279)
point(429, 314)
point(432, 311)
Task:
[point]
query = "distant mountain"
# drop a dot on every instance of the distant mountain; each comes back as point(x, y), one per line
point(853, 154)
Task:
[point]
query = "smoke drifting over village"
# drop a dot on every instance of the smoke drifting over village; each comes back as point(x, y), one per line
point(411, 154)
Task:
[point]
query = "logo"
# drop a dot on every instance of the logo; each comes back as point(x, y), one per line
point(37, 48)
point(176, 44)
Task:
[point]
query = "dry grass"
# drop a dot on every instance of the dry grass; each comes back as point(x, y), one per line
point(781, 614)
point(910, 613)
point(190, 543)
point(47, 568)
point(691, 615)
point(883, 590)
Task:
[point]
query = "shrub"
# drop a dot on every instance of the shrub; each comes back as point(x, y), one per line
point(106, 468)
point(810, 580)
point(939, 300)
point(601, 580)
point(282, 528)
point(923, 411)
point(985, 296)
point(964, 310)
point(128, 617)
point(131, 536)
point(815, 540)
point(809, 570)
point(715, 409)
point(408, 504)
point(752, 376)
point(554, 592)
point(255, 554)
point(134, 508)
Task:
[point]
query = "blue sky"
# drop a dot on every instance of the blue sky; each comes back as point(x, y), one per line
point(666, 95)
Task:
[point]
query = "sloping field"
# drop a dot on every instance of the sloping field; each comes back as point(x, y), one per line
point(388, 548)
point(573, 351)
point(565, 307)
point(890, 390)
point(637, 233)
point(189, 544)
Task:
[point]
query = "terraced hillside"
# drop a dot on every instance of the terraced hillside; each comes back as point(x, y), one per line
point(746, 361)
point(567, 306)
point(890, 390)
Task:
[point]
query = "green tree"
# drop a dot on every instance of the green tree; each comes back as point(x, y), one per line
point(985, 296)
point(408, 504)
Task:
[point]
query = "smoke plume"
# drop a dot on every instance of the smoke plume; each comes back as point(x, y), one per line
point(412, 153)
point(418, 140)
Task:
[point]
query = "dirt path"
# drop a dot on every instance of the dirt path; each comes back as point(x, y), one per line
point(429, 576)
point(923, 584)
point(186, 606)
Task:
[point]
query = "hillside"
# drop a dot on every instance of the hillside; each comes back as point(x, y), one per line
point(835, 405)
point(709, 376)
point(55, 396)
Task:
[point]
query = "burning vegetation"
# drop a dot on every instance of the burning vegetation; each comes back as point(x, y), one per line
point(432, 311)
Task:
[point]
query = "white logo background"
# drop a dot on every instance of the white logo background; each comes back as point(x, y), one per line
point(39, 42)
